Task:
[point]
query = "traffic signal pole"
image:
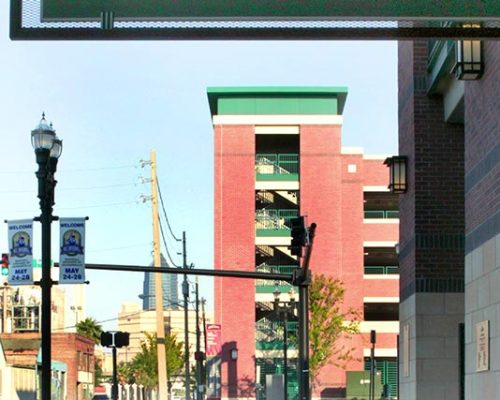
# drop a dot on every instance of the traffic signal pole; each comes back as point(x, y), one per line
point(114, 387)
point(303, 280)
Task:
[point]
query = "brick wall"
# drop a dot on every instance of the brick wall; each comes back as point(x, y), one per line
point(235, 249)
point(65, 348)
point(375, 173)
point(432, 212)
point(482, 127)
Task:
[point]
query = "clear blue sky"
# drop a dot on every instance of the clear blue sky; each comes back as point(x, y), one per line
point(111, 102)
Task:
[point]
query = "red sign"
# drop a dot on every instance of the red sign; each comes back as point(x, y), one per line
point(214, 340)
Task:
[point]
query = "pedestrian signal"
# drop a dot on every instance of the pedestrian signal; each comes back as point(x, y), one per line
point(106, 339)
point(122, 339)
point(115, 339)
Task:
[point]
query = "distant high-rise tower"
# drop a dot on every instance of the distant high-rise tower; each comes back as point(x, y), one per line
point(169, 288)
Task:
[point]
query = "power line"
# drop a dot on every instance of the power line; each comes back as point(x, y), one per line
point(165, 244)
point(97, 205)
point(71, 170)
point(33, 211)
point(164, 212)
point(119, 248)
point(73, 188)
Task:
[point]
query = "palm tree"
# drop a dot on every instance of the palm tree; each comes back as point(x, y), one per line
point(89, 328)
point(145, 364)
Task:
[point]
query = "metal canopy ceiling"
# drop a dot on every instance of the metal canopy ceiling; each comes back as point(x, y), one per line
point(27, 23)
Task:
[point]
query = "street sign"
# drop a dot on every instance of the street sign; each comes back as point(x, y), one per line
point(64, 10)
point(37, 263)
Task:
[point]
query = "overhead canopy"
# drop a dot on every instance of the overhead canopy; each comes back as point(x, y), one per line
point(252, 20)
point(262, 9)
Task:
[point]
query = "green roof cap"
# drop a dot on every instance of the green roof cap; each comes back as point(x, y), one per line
point(277, 100)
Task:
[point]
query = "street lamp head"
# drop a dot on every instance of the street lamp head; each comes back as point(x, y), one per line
point(56, 150)
point(43, 136)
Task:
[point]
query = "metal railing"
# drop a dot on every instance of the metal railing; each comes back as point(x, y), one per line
point(278, 269)
point(381, 270)
point(276, 164)
point(269, 335)
point(381, 214)
point(274, 219)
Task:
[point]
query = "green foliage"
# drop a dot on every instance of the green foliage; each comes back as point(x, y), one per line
point(144, 366)
point(125, 373)
point(89, 328)
point(98, 374)
point(328, 322)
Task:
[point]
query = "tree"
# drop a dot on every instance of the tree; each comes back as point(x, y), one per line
point(144, 366)
point(328, 322)
point(125, 372)
point(98, 373)
point(89, 328)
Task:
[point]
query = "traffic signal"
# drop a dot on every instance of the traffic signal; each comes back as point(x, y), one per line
point(122, 339)
point(106, 339)
point(115, 339)
point(299, 236)
point(5, 264)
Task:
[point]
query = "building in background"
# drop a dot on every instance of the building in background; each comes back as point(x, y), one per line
point(137, 322)
point(72, 366)
point(278, 155)
point(72, 354)
point(169, 289)
point(77, 352)
point(449, 131)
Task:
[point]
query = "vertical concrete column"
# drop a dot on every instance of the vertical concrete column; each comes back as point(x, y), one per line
point(482, 222)
point(431, 236)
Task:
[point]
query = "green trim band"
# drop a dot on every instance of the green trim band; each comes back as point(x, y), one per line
point(290, 100)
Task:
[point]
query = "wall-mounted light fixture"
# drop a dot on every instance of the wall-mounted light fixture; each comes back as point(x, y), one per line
point(397, 173)
point(234, 354)
point(469, 57)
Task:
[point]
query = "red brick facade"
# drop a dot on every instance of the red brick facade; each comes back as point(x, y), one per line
point(78, 354)
point(331, 194)
point(235, 249)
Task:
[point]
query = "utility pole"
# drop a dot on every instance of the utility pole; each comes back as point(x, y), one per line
point(160, 325)
point(185, 292)
point(204, 321)
point(199, 355)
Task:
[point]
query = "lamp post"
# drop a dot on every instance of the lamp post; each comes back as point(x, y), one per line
point(285, 309)
point(48, 148)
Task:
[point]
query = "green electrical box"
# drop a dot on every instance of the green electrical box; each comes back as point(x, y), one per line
point(358, 385)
